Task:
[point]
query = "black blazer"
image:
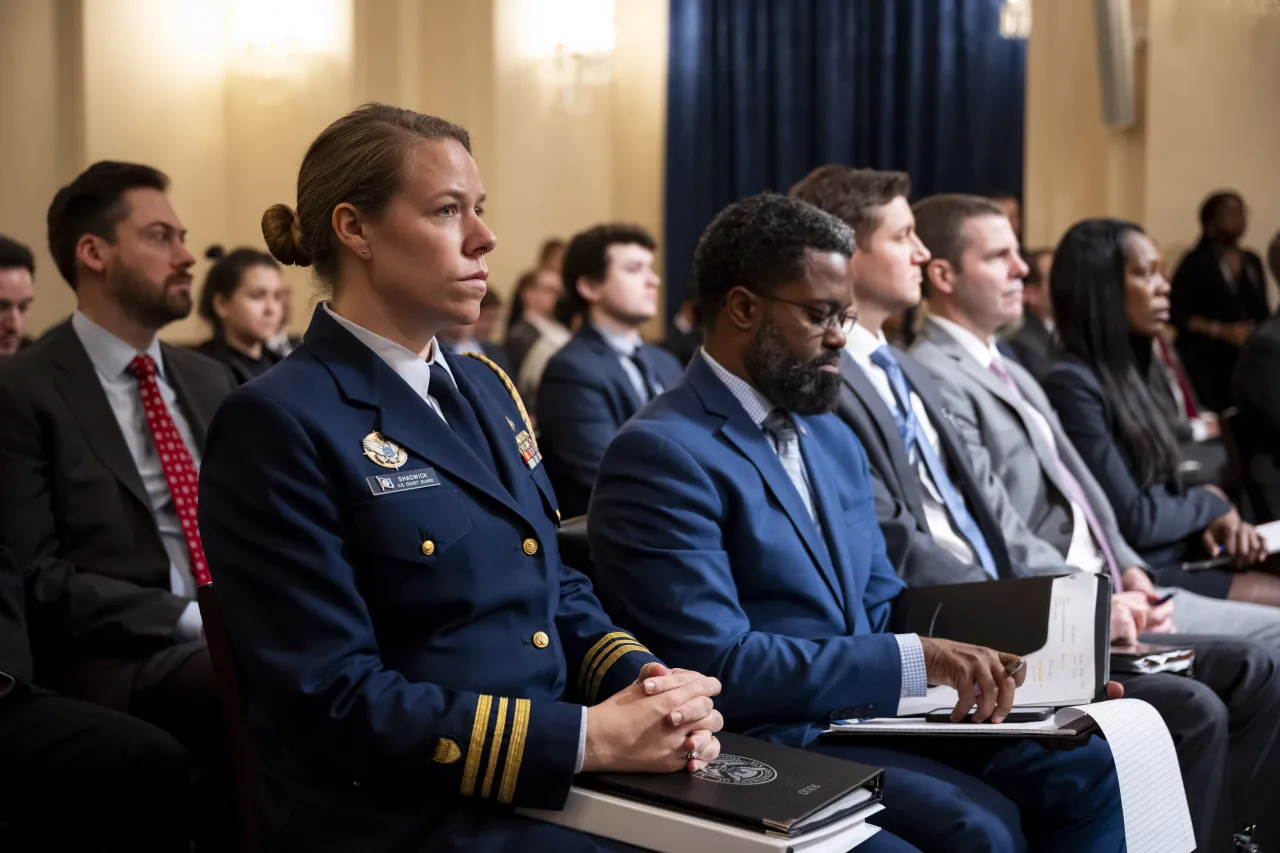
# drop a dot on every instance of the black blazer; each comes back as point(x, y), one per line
point(683, 345)
point(241, 366)
point(15, 647)
point(1033, 345)
point(74, 512)
point(1256, 390)
point(916, 556)
point(1162, 522)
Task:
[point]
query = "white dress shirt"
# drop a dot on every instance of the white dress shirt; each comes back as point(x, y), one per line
point(861, 344)
point(758, 407)
point(1083, 553)
point(111, 358)
point(416, 371)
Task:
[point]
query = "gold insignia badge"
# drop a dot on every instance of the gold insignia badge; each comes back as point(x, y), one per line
point(382, 451)
point(447, 752)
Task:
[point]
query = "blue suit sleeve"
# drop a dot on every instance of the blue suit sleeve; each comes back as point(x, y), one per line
point(273, 530)
point(657, 528)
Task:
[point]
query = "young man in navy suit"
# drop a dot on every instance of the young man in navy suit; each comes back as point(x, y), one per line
point(606, 373)
point(733, 529)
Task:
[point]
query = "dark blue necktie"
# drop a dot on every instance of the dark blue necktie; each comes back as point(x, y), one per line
point(459, 414)
point(641, 360)
point(913, 436)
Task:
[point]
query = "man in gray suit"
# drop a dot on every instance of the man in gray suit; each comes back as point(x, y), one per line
point(1014, 441)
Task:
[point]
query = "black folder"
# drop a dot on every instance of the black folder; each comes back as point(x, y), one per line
point(756, 785)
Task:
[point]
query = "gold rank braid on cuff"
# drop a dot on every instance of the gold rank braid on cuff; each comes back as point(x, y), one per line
point(511, 389)
point(599, 658)
point(479, 729)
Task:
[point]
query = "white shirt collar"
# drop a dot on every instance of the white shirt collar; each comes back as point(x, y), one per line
point(758, 406)
point(624, 345)
point(111, 355)
point(860, 343)
point(407, 364)
point(984, 352)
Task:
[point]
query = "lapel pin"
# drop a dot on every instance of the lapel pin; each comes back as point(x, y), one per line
point(529, 453)
point(383, 451)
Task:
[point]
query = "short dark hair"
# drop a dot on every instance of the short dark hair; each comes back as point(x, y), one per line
point(1211, 206)
point(587, 255)
point(224, 278)
point(94, 204)
point(940, 221)
point(852, 195)
point(1032, 257)
point(15, 255)
point(759, 243)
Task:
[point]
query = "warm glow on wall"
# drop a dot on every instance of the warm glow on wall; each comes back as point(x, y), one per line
point(276, 39)
point(573, 40)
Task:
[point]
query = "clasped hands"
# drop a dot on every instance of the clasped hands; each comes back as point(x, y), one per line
point(663, 722)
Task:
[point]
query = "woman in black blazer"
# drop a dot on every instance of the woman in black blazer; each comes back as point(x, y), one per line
point(241, 301)
point(1110, 298)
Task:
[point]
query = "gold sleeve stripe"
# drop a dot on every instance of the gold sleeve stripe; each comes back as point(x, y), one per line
point(495, 748)
point(618, 652)
point(584, 673)
point(478, 731)
point(515, 752)
point(511, 389)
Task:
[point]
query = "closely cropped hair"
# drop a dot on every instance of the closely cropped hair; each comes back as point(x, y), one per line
point(1210, 207)
point(15, 255)
point(759, 243)
point(94, 204)
point(1033, 256)
point(224, 278)
point(940, 221)
point(852, 195)
point(587, 255)
point(360, 159)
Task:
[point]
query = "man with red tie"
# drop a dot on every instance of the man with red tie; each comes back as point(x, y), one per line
point(103, 428)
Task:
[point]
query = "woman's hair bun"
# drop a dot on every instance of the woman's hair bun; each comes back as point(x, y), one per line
point(282, 231)
point(215, 252)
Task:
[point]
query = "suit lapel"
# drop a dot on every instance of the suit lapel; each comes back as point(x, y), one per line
point(827, 506)
point(78, 384)
point(611, 366)
point(870, 402)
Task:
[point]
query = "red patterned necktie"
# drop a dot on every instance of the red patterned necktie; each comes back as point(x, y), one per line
point(175, 458)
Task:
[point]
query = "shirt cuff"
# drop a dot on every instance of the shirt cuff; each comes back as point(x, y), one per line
point(582, 743)
point(915, 681)
point(189, 624)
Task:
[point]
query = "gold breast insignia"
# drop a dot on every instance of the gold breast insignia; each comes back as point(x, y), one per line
point(383, 451)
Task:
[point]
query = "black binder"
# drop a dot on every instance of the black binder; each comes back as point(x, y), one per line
point(756, 785)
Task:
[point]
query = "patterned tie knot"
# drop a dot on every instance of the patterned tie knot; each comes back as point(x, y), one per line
point(143, 366)
point(883, 358)
point(779, 423)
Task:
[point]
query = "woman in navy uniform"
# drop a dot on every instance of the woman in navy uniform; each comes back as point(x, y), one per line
point(383, 539)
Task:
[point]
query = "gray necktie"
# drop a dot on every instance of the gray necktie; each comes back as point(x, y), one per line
point(786, 443)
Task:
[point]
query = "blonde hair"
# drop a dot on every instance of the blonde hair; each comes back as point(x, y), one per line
point(360, 159)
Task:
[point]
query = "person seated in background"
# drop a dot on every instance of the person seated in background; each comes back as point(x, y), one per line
point(1033, 343)
point(1111, 298)
point(1219, 295)
point(17, 293)
point(732, 528)
point(551, 255)
point(684, 334)
point(476, 338)
point(241, 300)
point(1256, 394)
point(940, 529)
point(533, 315)
point(606, 373)
point(282, 343)
point(103, 427)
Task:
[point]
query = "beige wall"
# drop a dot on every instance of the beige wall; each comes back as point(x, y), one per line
point(158, 82)
point(1208, 118)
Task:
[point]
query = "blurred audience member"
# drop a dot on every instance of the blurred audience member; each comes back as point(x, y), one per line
point(1256, 389)
point(1012, 208)
point(282, 343)
point(475, 338)
point(17, 292)
point(1219, 294)
point(1273, 256)
point(606, 373)
point(241, 300)
point(1110, 298)
point(1033, 343)
point(103, 429)
point(684, 334)
point(533, 313)
point(551, 255)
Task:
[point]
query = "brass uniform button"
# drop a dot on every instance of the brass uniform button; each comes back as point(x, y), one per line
point(541, 640)
point(428, 548)
point(530, 547)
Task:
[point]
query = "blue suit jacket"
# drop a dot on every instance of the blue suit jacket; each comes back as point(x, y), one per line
point(704, 548)
point(389, 677)
point(584, 399)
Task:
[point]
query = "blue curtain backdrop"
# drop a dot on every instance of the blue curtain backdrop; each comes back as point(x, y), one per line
point(762, 91)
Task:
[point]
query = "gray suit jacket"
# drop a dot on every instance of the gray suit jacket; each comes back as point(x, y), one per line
point(1005, 446)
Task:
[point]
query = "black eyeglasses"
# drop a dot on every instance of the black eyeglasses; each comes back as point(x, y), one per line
point(827, 319)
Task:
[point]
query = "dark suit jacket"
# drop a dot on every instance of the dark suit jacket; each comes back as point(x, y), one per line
point(683, 345)
point(917, 557)
point(520, 339)
point(74, 511)
point(584, 399)
point(241, 366)
point(15, 646)
point(1033, 346)
point(1162, 521)
point(1256, 390)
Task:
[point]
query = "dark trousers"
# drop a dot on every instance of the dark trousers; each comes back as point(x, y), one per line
point(1224, 725)
point(77, 776)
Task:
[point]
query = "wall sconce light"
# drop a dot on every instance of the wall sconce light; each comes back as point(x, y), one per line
point(280, 40)
point(1015, 19)
point(577, 38)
